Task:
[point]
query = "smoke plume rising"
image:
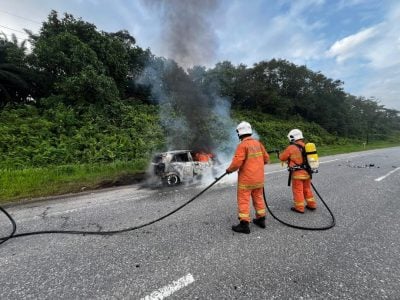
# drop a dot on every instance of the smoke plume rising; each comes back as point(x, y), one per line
point(187, 36)
point(192, 114)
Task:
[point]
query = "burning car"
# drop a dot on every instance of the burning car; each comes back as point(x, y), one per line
point(174, 167)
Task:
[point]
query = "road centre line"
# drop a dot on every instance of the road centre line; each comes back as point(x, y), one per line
point(388, 174)
point(354, 156)
point(284, 170)
point(169, 289)
point(327, 161)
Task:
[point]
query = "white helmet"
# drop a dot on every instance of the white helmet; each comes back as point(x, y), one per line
point(294, 135)
point(244, 128)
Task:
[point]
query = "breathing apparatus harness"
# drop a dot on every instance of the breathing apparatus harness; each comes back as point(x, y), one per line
point(303, 166)
point(111, 232)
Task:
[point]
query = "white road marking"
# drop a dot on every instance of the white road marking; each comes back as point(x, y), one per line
point(284, 170)
point(327, 161)
point(169, 289)
point(384, 176)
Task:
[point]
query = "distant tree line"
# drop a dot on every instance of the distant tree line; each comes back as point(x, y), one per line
point(286, 90)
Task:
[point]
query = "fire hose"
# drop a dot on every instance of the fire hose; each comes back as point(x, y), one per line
point(14, 225)
point(333, 223)
point(111, 232)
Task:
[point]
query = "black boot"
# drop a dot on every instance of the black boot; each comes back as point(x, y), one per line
point(260, 222)
point(242, 227)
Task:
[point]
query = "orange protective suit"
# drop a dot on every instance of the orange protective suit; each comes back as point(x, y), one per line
point(250, 158)
point(301, 180)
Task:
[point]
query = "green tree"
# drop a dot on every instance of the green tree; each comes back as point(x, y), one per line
point(65, 46)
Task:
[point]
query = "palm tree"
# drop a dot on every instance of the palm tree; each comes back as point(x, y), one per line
point(13, 85)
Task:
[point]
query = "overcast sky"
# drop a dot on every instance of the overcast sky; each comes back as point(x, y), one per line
point(355, 41)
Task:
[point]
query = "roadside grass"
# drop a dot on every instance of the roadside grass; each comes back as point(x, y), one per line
point(354, 147)
point(347, 148)
point(23, 184)
point(57, 180)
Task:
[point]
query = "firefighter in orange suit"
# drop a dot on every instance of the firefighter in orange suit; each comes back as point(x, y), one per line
point(300, 177)
point(250, 158)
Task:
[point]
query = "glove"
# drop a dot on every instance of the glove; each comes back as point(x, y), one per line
point(228, 172)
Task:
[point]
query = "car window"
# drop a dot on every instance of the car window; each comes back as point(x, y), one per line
point(180, 157)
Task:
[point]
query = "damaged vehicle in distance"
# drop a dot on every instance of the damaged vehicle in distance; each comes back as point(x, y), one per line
point(178, 166)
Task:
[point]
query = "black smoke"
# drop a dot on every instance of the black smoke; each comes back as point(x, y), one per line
point(187, 35)
point(194, 118)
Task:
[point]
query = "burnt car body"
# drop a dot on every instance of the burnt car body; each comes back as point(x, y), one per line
point(174, 167)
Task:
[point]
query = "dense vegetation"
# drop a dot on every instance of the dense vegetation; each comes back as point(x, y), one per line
point(83, 96)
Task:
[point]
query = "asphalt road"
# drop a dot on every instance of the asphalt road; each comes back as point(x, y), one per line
point(194, 254)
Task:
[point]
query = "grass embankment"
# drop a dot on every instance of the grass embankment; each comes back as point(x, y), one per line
point(40, 182)
point(57, 180)
point(337, 149)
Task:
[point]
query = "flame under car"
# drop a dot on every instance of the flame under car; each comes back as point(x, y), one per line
point(178, 166)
